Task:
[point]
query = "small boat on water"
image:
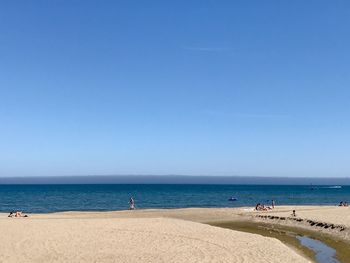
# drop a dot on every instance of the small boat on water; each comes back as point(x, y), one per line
point(232, 199)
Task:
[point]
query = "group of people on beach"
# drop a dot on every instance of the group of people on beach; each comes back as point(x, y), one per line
point(258, 207)
point(17, 214)
point(262, 207)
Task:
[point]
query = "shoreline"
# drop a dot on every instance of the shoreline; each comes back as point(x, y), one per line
point(241, 221)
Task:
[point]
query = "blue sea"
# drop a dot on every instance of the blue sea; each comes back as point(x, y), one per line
point(103, 197)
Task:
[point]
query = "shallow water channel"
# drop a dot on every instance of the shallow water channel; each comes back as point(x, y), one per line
point(323, 253)
point(316, 246)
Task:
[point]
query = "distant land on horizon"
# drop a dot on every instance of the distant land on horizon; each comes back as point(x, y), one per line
point(174, 179)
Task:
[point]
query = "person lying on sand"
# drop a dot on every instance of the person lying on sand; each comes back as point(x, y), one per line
point(262, 207)
point(17, 214)
point(343, 203)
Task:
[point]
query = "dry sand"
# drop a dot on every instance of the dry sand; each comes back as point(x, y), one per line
point(147, 236)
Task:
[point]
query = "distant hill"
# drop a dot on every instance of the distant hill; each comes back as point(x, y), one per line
point(173, 179)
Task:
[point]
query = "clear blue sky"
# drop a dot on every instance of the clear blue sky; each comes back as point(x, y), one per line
point(258, 88)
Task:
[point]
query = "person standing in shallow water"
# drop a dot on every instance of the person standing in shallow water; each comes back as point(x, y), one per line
point(273, 203)
point(131, 203)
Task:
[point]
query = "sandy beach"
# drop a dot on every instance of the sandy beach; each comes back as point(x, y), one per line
point(178, 235)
